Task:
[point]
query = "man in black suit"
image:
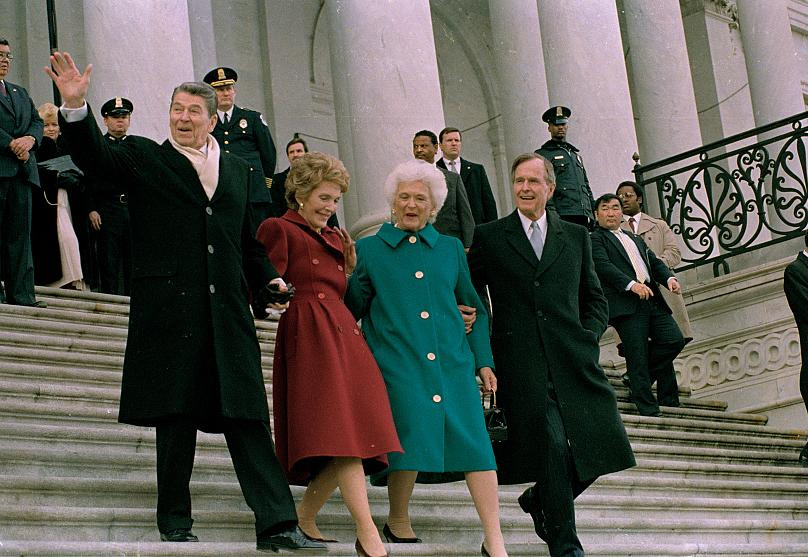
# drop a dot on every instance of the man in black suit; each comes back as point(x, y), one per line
point(20, 134)
point(192, 357)
point(295, 149)
point(549, 312)
point(244, 133)
point(795, 284)
point(108, 209)
point(455, 217)
point(630, 273)
point(475, 180)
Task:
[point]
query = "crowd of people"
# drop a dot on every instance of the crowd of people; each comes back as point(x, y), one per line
point(452, 300)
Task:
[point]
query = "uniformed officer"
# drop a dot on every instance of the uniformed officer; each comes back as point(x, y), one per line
point(108, 211)
point(572, 199)
point(244, 133)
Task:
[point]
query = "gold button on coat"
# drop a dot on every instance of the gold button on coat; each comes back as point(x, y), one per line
point(430, 356)
point(413, 239)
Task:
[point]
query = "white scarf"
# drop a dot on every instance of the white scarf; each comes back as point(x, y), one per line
point(206, 164)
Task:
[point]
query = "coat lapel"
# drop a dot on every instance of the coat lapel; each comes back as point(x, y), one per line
point(5, 101)
point(184, 170)
point(616, 244)
point(465, 171)
point(516, 237)
point(554, 243)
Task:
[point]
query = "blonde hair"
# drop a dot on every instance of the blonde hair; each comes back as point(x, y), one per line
point(309, 171)
point(48, 111)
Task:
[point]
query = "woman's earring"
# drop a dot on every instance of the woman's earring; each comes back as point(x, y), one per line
point(393, 211)
point(301, 205)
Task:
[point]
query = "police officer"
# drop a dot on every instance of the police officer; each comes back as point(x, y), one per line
point(572, 199)
point(108, 211)
point(244, 133)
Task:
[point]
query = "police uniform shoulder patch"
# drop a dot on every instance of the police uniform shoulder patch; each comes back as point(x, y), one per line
point(261, 116)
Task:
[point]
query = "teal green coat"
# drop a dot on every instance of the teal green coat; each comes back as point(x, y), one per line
point(405, 288)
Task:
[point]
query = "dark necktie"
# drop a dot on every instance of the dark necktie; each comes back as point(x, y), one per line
point(633, 224)
point(3, 89)
point(226, 119)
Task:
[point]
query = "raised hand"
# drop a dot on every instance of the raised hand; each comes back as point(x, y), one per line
point(72, 83)
point(348, 250)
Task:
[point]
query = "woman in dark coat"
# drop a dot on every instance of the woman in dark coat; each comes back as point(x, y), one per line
point(408, 283)
point(57, 237)
point(333, 422)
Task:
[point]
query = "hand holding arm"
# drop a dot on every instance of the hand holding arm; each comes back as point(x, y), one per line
point(641, 290)
point(469, 315)
point(21, 145)
point(348, 250)
point(72, 83)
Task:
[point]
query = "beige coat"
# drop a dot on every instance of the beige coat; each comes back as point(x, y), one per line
point(663, 242)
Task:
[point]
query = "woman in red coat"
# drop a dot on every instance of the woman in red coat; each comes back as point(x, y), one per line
point(333, 422)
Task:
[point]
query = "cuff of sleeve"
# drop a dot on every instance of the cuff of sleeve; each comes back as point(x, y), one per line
point(74, 114)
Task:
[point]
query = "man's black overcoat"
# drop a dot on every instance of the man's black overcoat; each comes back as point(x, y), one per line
point(192, 349)
point(548, 316)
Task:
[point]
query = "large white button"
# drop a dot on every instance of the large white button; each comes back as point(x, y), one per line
point(436, 398)
point(419, 274)
point(208, 210)
point(212, 289)
point(210, 249)
point(413, 239)
point(430, 356)
point(424, 315)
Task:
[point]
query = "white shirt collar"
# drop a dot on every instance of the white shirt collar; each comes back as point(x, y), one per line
point(526, 222)
point(228, 112)
point(805, 251)
point(637, 218)
point(448, 163)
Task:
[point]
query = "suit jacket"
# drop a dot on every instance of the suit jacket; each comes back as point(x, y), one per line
point(663, 242)
point(615, 270)
point(247, 136)
point(191, 349)
point(548, 317)
point(795, 285)
point(455, 218)
point(478, 190)
point(18, 117)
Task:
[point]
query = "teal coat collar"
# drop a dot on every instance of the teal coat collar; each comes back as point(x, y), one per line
point(393, 236)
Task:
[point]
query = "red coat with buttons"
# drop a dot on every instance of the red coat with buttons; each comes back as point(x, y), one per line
point(329, 398)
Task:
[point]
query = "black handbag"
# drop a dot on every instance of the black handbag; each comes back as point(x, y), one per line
point(495, 421)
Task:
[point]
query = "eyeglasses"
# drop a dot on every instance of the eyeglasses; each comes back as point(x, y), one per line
point(6, 56)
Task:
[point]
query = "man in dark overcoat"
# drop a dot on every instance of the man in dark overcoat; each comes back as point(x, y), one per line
point(630, 274)
point(20, 134)
point(245, 133)
point(548, 315)
point(795, 285)
point(192, 357)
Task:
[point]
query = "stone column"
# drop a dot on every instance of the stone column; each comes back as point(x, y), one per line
point(140, 57)
point(774, 81)
point(583, 56)
point(520, 66)
point(386, 88)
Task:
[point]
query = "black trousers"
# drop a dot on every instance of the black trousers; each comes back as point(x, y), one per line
point(651, 341)
point(16, 261)
point(559, 486)
point(114, 248)
point(259, 473)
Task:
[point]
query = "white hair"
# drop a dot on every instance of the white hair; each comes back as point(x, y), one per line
point(418, 171)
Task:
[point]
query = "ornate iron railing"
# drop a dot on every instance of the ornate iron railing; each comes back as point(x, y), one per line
point(746, 192)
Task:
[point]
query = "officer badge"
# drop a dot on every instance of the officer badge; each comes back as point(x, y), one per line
point(242, 123)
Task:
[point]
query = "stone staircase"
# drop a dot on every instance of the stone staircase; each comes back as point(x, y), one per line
point(75, 482)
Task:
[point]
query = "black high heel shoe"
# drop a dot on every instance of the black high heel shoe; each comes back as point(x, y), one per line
point(392, 538)
point(360, 551)
point(483, 550)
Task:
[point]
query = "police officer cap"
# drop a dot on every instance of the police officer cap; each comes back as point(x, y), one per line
point(556, 115)
point(219, 77)
point(118, 106)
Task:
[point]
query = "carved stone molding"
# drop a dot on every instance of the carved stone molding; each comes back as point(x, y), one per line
point(738, 361)
point(724, 9)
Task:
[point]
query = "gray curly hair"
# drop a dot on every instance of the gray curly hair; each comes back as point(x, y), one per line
point(418, 171)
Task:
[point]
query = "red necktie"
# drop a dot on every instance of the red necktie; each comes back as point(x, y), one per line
point(3, 89)
point(633, 224)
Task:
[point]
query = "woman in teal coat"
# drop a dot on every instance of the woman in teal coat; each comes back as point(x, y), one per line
point(406, 287)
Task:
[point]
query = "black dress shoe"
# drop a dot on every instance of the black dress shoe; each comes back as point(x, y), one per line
point(804, 455)
point(626, 381)
point(529, 503)
point(484, 551)
point(392, 538)
point(178, 535)
point(289, 539)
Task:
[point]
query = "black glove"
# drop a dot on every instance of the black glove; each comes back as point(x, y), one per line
point(270, 294)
